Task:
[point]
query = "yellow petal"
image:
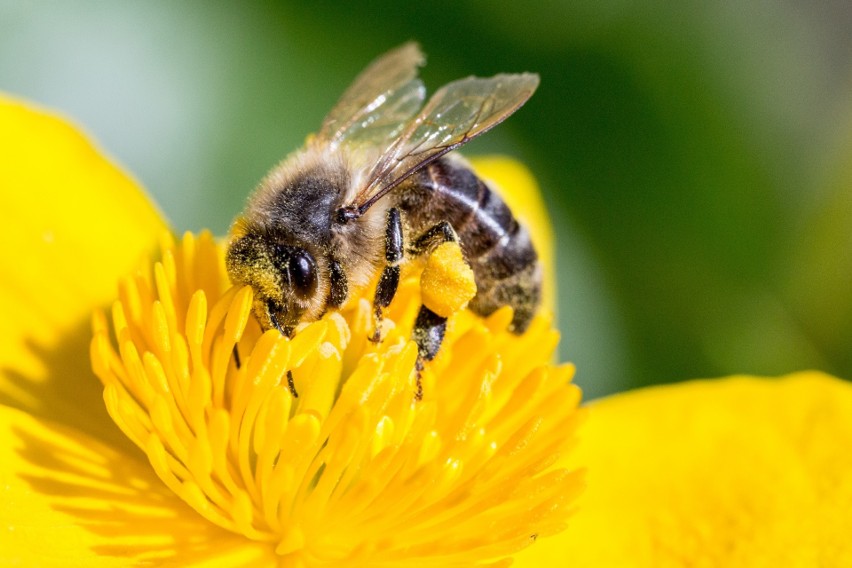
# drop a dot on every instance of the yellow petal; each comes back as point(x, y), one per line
point(69, 500)
point(740, 472)
point(72, 224)
point(334, 449)
point(519, 189)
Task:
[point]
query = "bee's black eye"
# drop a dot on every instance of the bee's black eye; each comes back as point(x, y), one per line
point(303, 274)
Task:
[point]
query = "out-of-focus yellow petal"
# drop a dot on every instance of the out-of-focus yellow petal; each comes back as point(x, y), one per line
point(740, 472)
point(69, 500)
point(72, 224)
point(519, 189)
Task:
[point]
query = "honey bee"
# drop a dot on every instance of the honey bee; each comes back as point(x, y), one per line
point(376, 185)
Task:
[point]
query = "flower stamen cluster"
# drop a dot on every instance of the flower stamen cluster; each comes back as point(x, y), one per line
point(353, 470)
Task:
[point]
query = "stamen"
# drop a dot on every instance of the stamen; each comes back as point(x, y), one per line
point(315, 444)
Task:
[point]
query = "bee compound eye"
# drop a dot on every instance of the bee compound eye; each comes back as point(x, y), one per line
point(303, 273)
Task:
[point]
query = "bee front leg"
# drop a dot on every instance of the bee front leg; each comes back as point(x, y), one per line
point(339, 289)
point(389, 281)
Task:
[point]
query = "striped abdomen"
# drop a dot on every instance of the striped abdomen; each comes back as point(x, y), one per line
point(498, 248)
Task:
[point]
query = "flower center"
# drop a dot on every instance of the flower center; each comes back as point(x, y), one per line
point(315, 443)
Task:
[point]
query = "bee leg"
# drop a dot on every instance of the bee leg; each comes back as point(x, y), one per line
point(237, 357)
point(339, 289)
point(389, 281)
point(430, 326)
point(428, 334)
point(438, 234)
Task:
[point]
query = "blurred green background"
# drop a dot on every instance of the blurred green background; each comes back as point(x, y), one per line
point(695, 155)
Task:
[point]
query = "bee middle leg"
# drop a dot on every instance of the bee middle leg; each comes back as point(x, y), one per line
point(389, 281)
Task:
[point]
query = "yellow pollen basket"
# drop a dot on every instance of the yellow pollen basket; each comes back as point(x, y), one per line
point(447, 283)
point(349, 469)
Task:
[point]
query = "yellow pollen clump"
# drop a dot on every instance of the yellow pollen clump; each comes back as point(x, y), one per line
point(447, 283)
point(353, 471)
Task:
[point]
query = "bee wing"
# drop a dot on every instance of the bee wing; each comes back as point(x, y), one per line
point(379, 103)
point(457, 113)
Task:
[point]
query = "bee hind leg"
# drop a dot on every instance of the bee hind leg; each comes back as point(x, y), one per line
point(447, 285)
point(436, 235)
point(428, 334)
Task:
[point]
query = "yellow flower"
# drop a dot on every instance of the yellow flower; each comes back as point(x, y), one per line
point(310, 451)
point(742, 472)
point(734, 472)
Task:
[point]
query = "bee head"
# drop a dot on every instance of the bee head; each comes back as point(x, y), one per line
point(284, 277)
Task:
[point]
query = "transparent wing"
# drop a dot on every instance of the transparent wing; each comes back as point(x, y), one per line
point(457, 113)
point(379, 103)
